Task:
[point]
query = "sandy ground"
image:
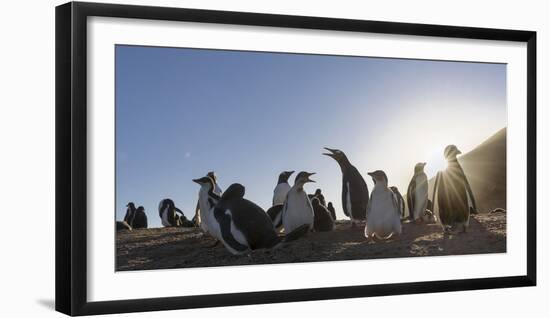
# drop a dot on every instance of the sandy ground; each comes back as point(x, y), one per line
point(162, 248)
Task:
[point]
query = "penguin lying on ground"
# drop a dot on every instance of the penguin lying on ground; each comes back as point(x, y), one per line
point(282, 188)
point(355, 193)
point(169, 216)
point(400, 201)
point(244, 226)
point(140, 220)
point(452, 194)
point(297, 210)
point(429, 217)
point(323, 221)
point(383, 217)
point(198, 215)
point(417, 193)
point(122, 225)
point(330, 208)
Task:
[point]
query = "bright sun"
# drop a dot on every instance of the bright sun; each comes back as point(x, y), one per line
point(436, 162)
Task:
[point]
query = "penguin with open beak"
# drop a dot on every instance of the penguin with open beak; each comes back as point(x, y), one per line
point(355, 193)
point(298, 210)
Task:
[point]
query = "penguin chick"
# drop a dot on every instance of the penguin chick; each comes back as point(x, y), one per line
point(322, 221)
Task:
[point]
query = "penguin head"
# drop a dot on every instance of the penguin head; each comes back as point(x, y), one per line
point(303, 178)
point(317, 192)
point(166, 203)
point(336, 154)
point(419, 167)
point(315, 202)
point(394, 189)
point(205, 182)
point(283, 176)
point(451, 151)
point(329, 205)
point(212, 176)
point(131, 205)
point(379, 176)
point(234, 191)
point(140, 209)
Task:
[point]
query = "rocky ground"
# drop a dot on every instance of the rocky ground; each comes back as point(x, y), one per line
point(162, 248)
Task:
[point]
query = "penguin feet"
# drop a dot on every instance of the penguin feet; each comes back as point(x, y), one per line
point(216, 242)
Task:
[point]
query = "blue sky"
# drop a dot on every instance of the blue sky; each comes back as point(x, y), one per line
point(250, 115)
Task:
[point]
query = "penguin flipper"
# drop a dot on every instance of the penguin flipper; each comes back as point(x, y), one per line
point(471, 199)
point(229, 241)
point(410, 197)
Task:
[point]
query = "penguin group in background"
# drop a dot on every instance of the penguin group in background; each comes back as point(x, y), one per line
point(417, 193)
point(140, 219)
point(452, 195)
point(282, 188)
point(400, 201)
point(330, 208)
point(244, 226)
point(297, 210)
point(197, 219)
point(169, 216)
point(383, 217)
point(208, 198)
point(322, 221)
point(355, 194)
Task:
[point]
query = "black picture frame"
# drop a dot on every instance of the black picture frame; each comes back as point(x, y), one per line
point(71, 157)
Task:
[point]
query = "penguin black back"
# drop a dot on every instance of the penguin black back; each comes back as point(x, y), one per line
point(330, 208)
point(140, 221)
point(322, 221)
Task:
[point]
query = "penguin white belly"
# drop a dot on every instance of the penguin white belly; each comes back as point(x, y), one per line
point(204, 213)
point(212, 224)
point(280, 192)
point(420, 196)
point(383, 218)
point(297, 212)
point(165, 218)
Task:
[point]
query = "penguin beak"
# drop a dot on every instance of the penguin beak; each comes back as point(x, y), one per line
point(197, 181)
point(370, 174)
point(423, 164)
point(309, 175)
point(331, 154)
point(458, 152)
point(290, 173)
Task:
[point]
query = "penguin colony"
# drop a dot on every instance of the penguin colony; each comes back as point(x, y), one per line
point(241, 225)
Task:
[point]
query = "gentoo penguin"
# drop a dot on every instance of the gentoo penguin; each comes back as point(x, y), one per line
point(417, 193)
point(383, 217)
point(207, 200)
point(244, 226)
point(319, 195)
point(297, 210)
point(205, 188)
point(322, 221)
point(453, 197)
point(130, 213)
point(282, 188)
point(168, 213)
point(400, 201)
point(355, 194)
point(140, 220)
point(276, 215)
point(330, 208)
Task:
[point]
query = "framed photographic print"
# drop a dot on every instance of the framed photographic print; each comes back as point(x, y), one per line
point(210, 158)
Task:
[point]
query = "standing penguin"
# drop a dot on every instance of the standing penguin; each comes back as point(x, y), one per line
point(330, 208)
point(282, 188)
point(244, 226)
point(319, 195)
point(207, 200)
point(217, 190)
point(297, 210)
point(140, 220)
point(417, 193)
point(323, 221)
point(383, 219)
point(355, 194)
point(130, 213)
point(400, 201)
point(452, 195)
